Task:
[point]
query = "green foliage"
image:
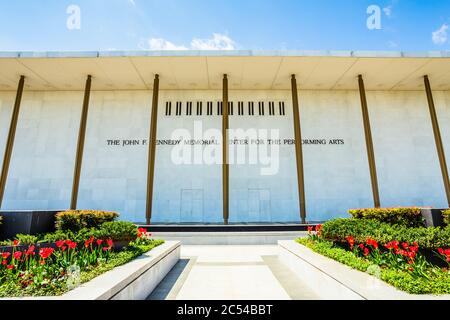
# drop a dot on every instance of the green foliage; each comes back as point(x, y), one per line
point(446, 216)
point(75, 220)
point(79, 236)
point(327, 249)
point(361, 229)
point(117, 230)
point(409, 217)
point(437, 283)
point(26, 239)
point(120, 258)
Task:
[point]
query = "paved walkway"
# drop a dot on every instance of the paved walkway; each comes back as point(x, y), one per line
point(231, 272)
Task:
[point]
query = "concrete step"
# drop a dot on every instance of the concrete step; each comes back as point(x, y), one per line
point(229, 238)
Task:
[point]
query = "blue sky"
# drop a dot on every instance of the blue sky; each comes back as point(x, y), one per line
point(409, 25)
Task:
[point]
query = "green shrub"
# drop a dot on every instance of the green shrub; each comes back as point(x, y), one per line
point(361, 229)
point(26, 239)
point(446, 216)
point(79, 236)
point(117, 231)
point(75, 220)
point(410, 217)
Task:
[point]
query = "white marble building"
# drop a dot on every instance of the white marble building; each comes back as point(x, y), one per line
point(114, 177)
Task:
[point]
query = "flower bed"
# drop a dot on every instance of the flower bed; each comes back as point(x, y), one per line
point(399, 263)
point(56, 269)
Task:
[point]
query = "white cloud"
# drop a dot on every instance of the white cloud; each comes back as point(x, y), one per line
point(132, 2)
point(440, 36)
point(217, 42)
point(161, 44)
point(388, 11)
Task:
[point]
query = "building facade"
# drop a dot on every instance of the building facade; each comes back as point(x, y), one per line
point(371, 133)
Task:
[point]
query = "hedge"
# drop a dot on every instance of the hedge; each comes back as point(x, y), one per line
point(75, 220)
point(446, 216)
point(361, 229)
point(115, 230)
point(410, 217)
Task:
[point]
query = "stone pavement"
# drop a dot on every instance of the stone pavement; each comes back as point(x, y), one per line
point(233, 272)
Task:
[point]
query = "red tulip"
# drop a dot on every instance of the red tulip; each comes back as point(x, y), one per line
point(351, 241)
point(45, 252)
point(60, 243)
point(366, 252)
point(17, 255)
point(16, 243)
point(72, 245)
point(5, 255)
point(63, 248)
point(106, 248)
point(30, 250)
point(372, 242)
point(99, 242)
point(4, 262)
point(109, 242)
point(10, 267)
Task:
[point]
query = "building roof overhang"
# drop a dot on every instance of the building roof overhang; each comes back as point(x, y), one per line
point(246, 70)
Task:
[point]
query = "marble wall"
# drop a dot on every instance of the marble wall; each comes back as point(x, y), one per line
point(336, 176)
point(114, 177)
point(114, 170)
point(405, 152)
point(42, 161)
point(6, 107)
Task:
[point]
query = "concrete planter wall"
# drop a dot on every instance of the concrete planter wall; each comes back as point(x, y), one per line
point(332, 280)
point(135, 280)
point(26, 222)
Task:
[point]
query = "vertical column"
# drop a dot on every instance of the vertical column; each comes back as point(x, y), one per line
point(369, 143)
point(437, 138)
point(10, 141)
point(152, 150)
point(225, 167)
point(298, 150)
point(80, 144)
